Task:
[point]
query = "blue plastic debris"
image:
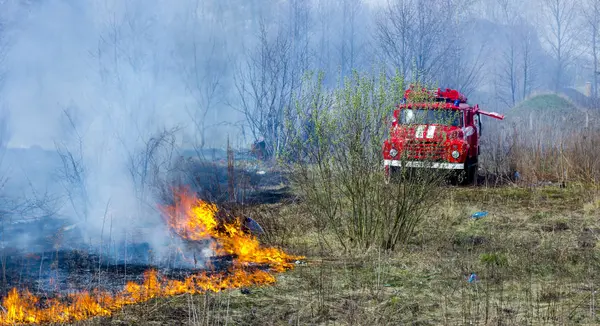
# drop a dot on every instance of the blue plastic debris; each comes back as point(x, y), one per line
point(253, 226)
point(479, 215)
point(472, 278)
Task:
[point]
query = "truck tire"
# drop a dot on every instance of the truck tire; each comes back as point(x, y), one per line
point(387, 174)
point(391, 174)
point(470, 172)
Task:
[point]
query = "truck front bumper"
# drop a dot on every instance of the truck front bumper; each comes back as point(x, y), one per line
point(421, 164)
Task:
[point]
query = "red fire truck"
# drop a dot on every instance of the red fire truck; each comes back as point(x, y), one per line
point(435, 129)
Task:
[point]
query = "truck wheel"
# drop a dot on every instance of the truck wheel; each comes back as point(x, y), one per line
point(391, 174)
point(470, 172)
point(459, 178)
point(387, 174)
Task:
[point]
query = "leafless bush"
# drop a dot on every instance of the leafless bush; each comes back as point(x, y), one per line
point(152, 164)
point(581, 156)
point(573, 158)
point(544, 148)
point(265, 84)
point(72, 173)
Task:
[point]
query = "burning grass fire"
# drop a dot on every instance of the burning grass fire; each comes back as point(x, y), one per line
point(189, 218)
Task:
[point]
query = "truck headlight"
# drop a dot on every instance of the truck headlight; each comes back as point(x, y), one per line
point(393, 152)
point(455, 154)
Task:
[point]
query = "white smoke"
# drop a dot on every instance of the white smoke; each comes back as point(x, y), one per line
point(99, 82)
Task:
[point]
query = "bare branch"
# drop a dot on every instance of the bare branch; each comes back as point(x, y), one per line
point(266, 80)
point(560, 35)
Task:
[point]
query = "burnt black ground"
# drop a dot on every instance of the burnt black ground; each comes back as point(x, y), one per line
point(253, 183)
point(47, 257)
point(64, 270)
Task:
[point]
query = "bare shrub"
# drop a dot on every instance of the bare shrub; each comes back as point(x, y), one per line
point(552, 147)
point(581, 156)
point(73, 173)
point(265, 83)
point(495, 162)
point(152, 164)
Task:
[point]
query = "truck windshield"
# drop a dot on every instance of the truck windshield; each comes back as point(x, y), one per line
point(425, 116)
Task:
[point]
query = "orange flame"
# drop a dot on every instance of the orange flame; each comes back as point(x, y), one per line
point(191, 219)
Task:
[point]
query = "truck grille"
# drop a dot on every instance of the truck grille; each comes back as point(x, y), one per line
point(426, 150)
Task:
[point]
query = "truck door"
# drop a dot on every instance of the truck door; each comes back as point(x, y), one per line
point(471, 135)
point(477, 135)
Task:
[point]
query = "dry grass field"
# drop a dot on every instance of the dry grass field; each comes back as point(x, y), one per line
point(535, 258)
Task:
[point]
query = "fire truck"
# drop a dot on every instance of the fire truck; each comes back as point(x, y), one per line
point(435, 129)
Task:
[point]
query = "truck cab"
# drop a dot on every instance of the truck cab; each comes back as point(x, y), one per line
point(435, 129)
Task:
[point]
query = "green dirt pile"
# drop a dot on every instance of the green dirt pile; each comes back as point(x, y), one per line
point(549, 110)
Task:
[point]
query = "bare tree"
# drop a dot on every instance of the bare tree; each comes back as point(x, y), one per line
point(264, 84)
point(416, 36)
point(323, 25)
point(349, 44)
point(509, 57)
point(202, 66)
point(515, 69)
point(591, 13)
point(73, 173)
point(561, 18)
point(204, 84)
point(463, 63)
point(394, 33)
point(528, 65)
point(151, 163)
point(428, 40)
point(299, 31)
point(466, 71)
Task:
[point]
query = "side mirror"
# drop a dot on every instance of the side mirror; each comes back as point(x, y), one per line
point(469, 131)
